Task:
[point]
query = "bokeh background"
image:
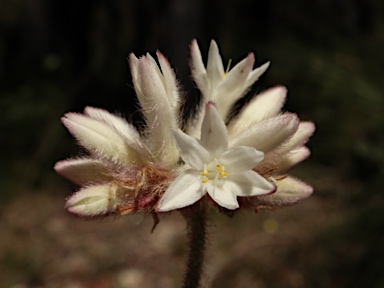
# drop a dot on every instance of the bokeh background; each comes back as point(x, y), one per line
point(59, 56)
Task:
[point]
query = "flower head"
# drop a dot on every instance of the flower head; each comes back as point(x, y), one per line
point(239, 161)
point(214, 169)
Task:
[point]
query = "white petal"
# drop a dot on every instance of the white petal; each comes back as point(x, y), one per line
point(232, 87)
point(304, 131)
point(158, 113)
point(199, 74)
point(255, 74)
point(214, 135)
point(185, 190)
point(289, 191)
point(250, 183)
point(92, 201)
point(83, 170)
point(268, 134)
point(191, 150)
point(222, 195)
point(130, 133)
point(170, 82)
point(241, 158)
point(265, 105)
point(215, 69)
point(100, 138)
point(293, 158)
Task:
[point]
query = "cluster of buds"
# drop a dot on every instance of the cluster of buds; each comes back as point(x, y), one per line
point(232, 161)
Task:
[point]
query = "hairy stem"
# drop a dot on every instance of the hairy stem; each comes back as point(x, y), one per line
point(196, 217)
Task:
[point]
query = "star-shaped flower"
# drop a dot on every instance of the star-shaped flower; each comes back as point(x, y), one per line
point(224, 87)
point(221, 172)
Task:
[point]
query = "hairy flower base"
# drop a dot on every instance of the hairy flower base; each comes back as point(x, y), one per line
point(138, 192)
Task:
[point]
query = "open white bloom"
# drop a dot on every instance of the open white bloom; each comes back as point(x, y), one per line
point(221, 172)
point(220, 86)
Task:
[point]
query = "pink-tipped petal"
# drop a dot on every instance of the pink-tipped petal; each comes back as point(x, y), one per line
point(289, 191)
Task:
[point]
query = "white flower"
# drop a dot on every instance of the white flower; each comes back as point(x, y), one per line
point(220, 86)
point(221, 172)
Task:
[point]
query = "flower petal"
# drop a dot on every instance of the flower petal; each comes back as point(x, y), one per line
point(265, 105)
point(214, 135)
point(222, 195)
point(268, 134)
point(190, 149)
point(159, 114)
point(256, 73)
point(215, 69)
point(289, 191)
point(170, 82)
point(304, 131)
point(232, 87)
point(240, 159)
point(130, 133)
point(293, 157)
point(199, 74)
point(100, 138)
point(185, 190)
point(92, 201)
point(250, 183)
point(83, 171)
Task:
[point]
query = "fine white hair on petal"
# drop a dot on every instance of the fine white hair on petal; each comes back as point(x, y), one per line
point(159, 114)
point(128, 131)
point(268, 134)
point(170, 83)
point(265, 105)
point(198, 70)
point(289, 191)
point(83, 170)
point(92, 201)
point(100, 138)
point(304, 131)
point(292, 158)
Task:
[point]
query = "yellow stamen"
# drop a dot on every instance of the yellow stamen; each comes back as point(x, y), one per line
point(228, 68)
point(205, 180)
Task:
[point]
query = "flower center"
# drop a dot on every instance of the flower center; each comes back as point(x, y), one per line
point(213, 171)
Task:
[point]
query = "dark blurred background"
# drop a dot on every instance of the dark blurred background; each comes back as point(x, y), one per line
point(60, 56)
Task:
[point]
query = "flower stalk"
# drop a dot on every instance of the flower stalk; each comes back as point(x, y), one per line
point(196, 217)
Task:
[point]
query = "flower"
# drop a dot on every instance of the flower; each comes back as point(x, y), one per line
point(221, 172)
point(126, 171)
point(162, 168)
point(219, 86)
